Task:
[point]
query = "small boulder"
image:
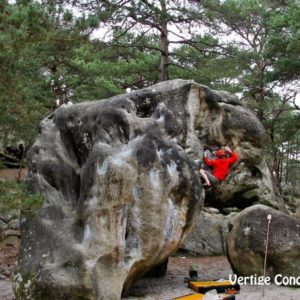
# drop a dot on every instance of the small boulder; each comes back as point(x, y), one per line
point(246, 243)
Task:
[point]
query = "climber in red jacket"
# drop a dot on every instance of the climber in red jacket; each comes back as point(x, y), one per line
point(220, 167)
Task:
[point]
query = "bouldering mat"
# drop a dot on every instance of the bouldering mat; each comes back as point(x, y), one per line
point(205, 286)
point(200, 296)
point(190, 297)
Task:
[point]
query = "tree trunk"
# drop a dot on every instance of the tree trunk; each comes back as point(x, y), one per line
point(276, 169)
point(21, 167)
point(5, 137)
point(164, 45)
point(261, 89)
point(287, 173)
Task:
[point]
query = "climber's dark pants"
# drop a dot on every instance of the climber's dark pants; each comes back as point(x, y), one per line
point(214, 181)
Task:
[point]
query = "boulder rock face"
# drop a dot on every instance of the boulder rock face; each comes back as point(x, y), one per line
point(209, 234)
point(120, 194)
point(122, 189)
point(291, 198)
point(246, 243)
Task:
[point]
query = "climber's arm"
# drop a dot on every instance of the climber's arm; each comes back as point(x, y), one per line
point(233, 158)
point(209, 162)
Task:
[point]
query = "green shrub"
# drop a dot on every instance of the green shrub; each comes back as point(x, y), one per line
point(15, 195)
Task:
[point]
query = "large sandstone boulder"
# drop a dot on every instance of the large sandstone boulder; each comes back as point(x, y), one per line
point(247, 238)
point(120, 194)
point(121, 187)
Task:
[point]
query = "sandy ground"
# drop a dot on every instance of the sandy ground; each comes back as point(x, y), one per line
point(210, 268)
point(168, 287)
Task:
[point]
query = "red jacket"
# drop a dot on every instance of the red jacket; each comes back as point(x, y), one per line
point(220, 166)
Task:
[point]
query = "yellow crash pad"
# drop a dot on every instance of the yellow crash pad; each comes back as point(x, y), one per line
point(205, 286)
point(190, 297)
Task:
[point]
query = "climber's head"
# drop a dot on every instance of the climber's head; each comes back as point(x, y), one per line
point(220, 153)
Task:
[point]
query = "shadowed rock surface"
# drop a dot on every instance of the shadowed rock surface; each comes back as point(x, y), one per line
point(209, 234)
point(291, 198)
point(246, 243)
point(121, 187)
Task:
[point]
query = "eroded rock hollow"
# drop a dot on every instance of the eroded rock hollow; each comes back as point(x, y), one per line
point(121, 187)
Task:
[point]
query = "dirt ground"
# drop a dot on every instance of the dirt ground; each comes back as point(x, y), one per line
point(168, 287)
point(8, 259)
point(209, 268)
point(13, 173)
point(8, 252)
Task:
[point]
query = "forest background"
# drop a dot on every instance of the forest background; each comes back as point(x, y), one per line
point(53, 52)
